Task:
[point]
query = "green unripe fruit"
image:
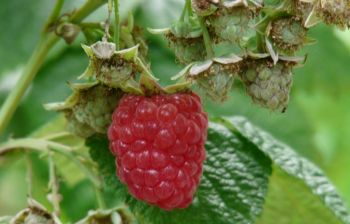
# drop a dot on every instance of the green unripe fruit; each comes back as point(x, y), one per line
point(267, 84)
point(288, 34)
point(235, 25)
point(334, 12)
point(216, 85)
point(113, 71)
point(187, 50)
point(74, 126)
point(95, 107)
point(216, 80)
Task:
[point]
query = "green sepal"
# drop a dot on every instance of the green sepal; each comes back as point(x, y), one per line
point(178, 87)
point(150, 86)
point(312, 19)
point(72, 99)
point(199, 67)
point(144, 69)
point(160, 31)
point(89, 71)
point(272, 52)
point(187, 29)
point(88, 50)
point(131, 86)
point(118, 215)
point(129, 54)
point(182, 73)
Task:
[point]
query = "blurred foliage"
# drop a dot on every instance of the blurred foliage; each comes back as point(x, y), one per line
point(317, 121)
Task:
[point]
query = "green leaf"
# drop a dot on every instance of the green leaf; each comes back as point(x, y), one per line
point(289, 200)
point(232, 188)
point(294, 178)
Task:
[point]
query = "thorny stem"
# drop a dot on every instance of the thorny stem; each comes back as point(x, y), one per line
point(116, 24)
point(206, 37)
point(47, 41)
point(29, 177)
point(54, 186)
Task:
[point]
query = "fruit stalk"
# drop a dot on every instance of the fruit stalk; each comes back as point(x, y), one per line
point(54, 186)
point(116, 24)
point(206, 38)
point(54, 15)
point(29, 175)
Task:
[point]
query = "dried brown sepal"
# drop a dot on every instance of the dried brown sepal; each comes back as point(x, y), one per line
point(204, 7)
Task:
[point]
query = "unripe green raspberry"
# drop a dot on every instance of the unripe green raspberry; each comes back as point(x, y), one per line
point(215, 77)
point(217, 82)
point(267, 84)
point(114, 70)
point(334, 12)
point(89, 109)
point(235, 25)
point(74, 126)
point(288, 34)
point(187, 50)
point(95, 107)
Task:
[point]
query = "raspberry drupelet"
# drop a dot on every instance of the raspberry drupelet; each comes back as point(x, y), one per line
point(158, 143)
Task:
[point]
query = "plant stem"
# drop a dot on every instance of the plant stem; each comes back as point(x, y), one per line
point(183, 13)
point(189, 7)
point(31, 69)
point(116, 24)
point(46, 42)
point(206, 38)
point(62, 150)
point(99, 197)
point(54, 186)
point(86, 9)
point(43, 145)
point(54, 15)
point(29, 176)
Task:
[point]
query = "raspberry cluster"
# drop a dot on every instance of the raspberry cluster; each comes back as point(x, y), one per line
point(158, 143)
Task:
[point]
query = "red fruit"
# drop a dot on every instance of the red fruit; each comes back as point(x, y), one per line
point(158, 142)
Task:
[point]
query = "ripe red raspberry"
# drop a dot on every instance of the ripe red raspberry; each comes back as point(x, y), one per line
point(158, 142)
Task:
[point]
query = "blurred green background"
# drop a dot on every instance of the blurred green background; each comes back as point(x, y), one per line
point(316, 124)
